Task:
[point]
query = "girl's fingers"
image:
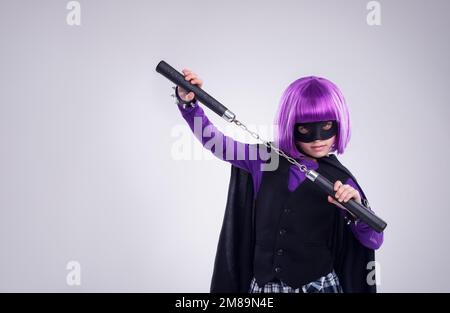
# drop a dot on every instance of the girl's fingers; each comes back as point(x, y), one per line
point(344, 194)
point(337, 184)
point(190, 76)
point(194, 80)
point(351, 195)
point(341, 189)
point(357, 197)
point(197, 81)
point(347, 197)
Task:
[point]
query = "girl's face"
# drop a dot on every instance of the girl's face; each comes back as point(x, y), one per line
point(315, 139)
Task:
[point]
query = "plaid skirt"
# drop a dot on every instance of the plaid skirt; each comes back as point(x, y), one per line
point(326, 284)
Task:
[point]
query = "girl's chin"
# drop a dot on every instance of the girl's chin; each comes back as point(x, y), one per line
point(314, 154)
point(319, 154)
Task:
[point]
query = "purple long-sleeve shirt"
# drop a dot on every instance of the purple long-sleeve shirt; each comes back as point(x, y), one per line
point(245, 156)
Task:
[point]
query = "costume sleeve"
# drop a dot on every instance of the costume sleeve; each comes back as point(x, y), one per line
point(363, 232)
point(243, 155)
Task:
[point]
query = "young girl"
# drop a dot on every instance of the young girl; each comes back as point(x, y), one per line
point(298, 243)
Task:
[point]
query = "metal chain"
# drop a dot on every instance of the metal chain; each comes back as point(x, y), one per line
point(302, 167)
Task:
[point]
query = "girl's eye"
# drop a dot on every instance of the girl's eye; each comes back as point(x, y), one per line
point(303, 130)
point(327, 126)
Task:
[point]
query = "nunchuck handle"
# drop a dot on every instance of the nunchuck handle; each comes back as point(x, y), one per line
point(354, 207)
point(178, 79)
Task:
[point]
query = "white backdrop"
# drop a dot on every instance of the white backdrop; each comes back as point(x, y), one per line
point(87, 130)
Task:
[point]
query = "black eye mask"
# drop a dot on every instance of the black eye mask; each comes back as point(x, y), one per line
point(315, 131)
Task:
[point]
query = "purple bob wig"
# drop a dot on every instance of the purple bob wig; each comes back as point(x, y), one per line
point(311, 99)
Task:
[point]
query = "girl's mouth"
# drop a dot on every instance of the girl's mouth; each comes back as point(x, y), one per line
point(317, 148)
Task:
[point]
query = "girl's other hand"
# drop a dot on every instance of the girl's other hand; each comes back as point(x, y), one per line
point(194, 79)
point(343, 194)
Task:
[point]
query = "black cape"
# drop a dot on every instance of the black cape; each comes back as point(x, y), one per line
point(233, 265)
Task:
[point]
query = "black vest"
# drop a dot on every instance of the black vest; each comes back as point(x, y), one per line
point(293, 230)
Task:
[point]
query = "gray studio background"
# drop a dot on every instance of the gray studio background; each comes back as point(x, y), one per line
point(87, 172)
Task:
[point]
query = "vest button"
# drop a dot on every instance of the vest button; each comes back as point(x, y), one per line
point(282, 232)
point(280, 251)
point(277, 269)
point(287, 210)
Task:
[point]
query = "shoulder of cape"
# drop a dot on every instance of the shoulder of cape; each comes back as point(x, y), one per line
point(333, 160)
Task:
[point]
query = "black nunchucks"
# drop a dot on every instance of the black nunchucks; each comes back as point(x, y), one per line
point(322, 182)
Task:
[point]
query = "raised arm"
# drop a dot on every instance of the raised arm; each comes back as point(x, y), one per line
point(242, 155)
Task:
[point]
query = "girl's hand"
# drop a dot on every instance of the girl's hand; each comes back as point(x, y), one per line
point(194, 79)
point(344, 193)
